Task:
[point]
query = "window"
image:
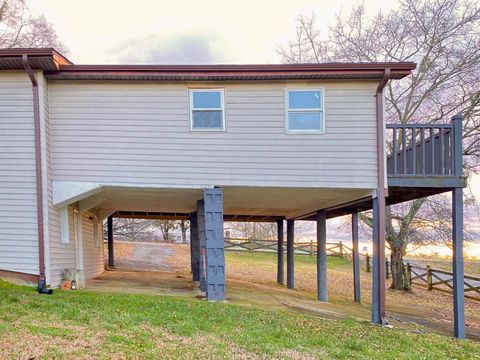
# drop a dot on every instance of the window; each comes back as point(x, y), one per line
point(305, 111)
point(64, 226)
point(207, 110)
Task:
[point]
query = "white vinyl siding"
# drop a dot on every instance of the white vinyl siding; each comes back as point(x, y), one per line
point(18, 214)
point(137, 133)
point(93, 262)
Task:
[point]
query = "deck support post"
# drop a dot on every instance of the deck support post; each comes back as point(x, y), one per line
point(201, 243)
point(280, 270)
point(458, 266)
point(214, 244)
point(194, 247)
point(378, 273)
point(111, 254)
point(457, 233)
point(356, 259)
point(322, 285)
point(290, 254)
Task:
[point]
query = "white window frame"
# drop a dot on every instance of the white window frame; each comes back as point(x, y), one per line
point(321, 110)
point(65, 225)
point(222, 108)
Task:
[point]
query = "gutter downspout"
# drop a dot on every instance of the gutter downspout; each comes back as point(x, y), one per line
point(38, 177)
point(382, 192)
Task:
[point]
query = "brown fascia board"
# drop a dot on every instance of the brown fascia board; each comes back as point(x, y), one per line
point(233, 72)
point(46, 59)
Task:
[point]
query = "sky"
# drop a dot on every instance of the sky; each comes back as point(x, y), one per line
point(207, 31)
point(186, 32)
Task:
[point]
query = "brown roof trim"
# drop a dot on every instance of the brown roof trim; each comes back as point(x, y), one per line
point(47, 59)
point(58, 67)
point(231, 72)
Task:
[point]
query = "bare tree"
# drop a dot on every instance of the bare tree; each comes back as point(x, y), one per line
point(254, 230)
point(131, 229)
point(20, 28)
point(184, 226)
point(167, 227)
point(443, 38)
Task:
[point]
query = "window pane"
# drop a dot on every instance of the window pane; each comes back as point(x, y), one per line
point(207, 120)
point(207, 100)
point(307, 99)
point(304, 120)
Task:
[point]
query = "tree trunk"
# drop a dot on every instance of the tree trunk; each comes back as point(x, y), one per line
point(184, 235)
point(399, 280)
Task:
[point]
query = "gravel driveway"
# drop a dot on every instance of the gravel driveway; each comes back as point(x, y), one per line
point(147, 256)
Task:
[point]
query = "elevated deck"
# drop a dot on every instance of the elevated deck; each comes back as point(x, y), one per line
point(422, 160)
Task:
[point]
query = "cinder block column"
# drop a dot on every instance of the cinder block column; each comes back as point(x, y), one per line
point(290, 254)
point(202, 244)
point(215, 244)
point(322, 284)
point(194, 247)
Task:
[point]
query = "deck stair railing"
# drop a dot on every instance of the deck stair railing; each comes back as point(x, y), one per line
point(421, 149)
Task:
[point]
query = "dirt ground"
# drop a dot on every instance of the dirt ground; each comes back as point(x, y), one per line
point(165, 269)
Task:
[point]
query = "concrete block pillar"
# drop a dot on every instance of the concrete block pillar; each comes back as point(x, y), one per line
point(214, 244)
point(290, 254)
point(194, 247)
point(322, 283)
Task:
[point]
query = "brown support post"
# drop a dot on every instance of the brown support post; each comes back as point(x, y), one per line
point(280, 261)
point(111, 255)
point(290, 254)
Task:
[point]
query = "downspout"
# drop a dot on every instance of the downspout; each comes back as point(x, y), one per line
point(382, 192)
point(38, 177)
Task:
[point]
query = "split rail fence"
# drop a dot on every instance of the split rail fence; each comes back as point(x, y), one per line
point(441, 280)
point(305, 248)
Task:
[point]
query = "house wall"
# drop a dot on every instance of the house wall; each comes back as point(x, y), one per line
point(92, 247)
point(18, 215)
point(139, 133)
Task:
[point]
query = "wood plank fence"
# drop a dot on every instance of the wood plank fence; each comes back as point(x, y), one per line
point(441, 280)
point(305, 248)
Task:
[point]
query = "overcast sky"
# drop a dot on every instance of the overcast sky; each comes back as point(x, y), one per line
point(207, 31)
point(176, 32)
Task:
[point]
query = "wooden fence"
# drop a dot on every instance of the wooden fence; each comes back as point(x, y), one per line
point(253, 245)
point(441, 280)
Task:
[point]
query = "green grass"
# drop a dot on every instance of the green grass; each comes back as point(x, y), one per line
point(90, 325)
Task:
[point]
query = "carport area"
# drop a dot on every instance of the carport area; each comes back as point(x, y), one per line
point(207, 208)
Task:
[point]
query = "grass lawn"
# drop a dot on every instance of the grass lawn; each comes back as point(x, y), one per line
point(90, 325)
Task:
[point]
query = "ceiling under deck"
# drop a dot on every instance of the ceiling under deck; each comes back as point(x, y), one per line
point(242, 202)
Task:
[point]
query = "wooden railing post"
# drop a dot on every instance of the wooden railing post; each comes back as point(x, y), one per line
point(250, 246)
point(429, 278)
point(367, 259)
point(311, 248)
point(340, 249)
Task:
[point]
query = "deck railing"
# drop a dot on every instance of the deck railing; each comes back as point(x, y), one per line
point(424, 149)
point(420, 149)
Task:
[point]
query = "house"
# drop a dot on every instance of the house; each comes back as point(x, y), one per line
point(209, 143)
